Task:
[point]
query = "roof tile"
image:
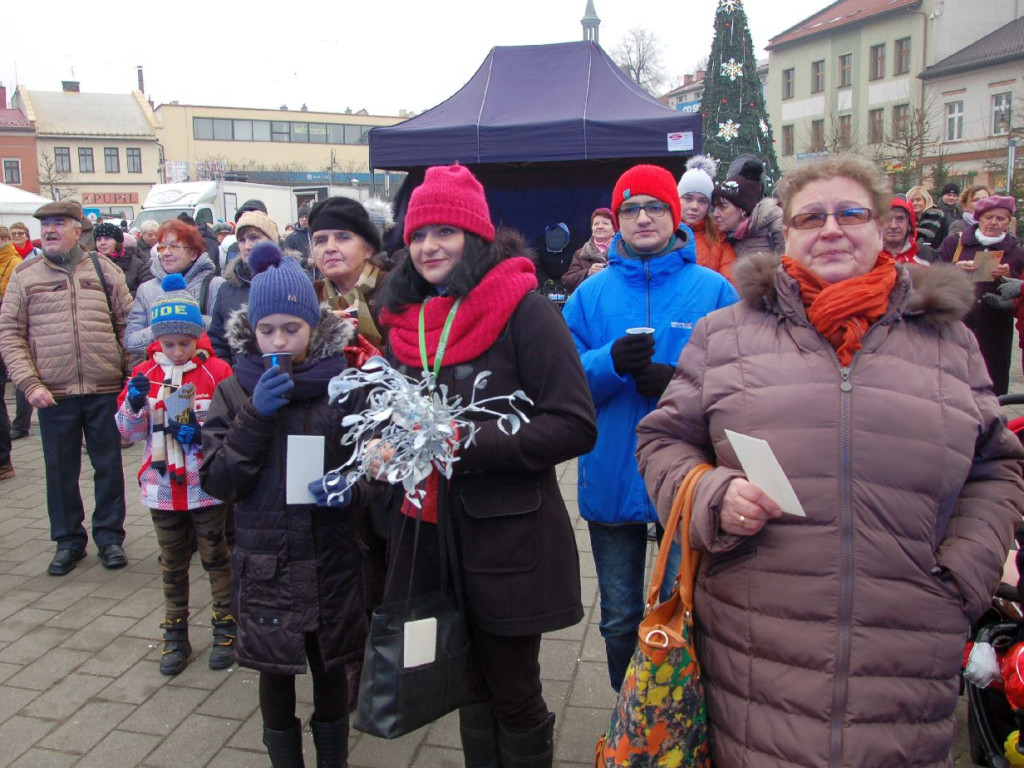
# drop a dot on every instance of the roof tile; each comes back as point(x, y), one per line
point(837, 15)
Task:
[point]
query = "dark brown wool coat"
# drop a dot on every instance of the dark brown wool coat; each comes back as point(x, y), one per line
point(836, 639)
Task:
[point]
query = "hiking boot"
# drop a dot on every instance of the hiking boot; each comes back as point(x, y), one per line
point(222, 652)
point(177, 648)
point(6, 471)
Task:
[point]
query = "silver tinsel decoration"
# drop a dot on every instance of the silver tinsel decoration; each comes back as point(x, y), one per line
point(417, 420)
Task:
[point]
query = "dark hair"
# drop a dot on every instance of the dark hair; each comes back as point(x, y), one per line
point(187, 219)
point(406, 286)
point(187, 236)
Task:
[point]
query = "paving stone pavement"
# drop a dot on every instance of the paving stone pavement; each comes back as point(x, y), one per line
point(79, 658)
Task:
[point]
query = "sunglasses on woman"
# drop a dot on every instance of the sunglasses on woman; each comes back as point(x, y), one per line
point(845, 218)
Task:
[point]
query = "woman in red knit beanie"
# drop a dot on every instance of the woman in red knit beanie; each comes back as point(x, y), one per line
point(464, 302)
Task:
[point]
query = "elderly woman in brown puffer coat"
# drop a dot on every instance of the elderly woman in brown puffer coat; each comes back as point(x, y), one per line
point(836, 639)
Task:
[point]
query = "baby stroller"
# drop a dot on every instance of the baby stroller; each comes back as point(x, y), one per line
point(995, 705)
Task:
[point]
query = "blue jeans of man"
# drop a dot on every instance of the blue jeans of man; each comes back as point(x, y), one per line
point(620, 556)
point(62, 427)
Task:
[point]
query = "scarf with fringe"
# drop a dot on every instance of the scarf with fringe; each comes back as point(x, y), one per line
point(168, 454)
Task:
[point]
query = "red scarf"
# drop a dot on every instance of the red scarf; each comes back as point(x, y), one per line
point(482, 315)
point(25, 249)
point(842, 312)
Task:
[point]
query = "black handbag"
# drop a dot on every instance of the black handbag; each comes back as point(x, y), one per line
point(395, 700)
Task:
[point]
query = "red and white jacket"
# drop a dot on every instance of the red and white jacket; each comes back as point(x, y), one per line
point(158, 492)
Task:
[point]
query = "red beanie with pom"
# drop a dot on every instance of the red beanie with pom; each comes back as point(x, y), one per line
point(450, 195)
point(650, 180)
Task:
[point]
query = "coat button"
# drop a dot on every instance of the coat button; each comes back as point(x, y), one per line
point(275, 621)
point(261, 619)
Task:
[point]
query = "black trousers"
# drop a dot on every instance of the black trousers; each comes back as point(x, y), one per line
point(23, 412)
point(62, 427)
point(5, 420)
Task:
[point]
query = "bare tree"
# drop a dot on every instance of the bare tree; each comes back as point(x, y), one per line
point(902, 154)
point(639, 56)
point(53, 181)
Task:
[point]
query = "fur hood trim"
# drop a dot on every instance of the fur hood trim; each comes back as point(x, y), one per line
point(234, 274)
point(939, 295)
point(329, 338)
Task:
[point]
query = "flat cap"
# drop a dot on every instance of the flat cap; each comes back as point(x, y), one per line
point(66, 208)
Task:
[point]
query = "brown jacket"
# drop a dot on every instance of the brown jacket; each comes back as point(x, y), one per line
point(836, 639)
point(57, 331)
point(582, 261)
point(9, 260)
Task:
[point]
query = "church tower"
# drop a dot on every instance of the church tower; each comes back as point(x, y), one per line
point(591, 23)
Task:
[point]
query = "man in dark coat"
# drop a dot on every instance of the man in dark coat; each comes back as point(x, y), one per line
point(299, 239)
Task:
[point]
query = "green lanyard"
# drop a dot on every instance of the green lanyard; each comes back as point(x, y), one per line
point(442, 342)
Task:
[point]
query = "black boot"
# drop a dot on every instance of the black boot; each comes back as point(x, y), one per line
point(177, 648)
point(479, 732)
point(331, 740)
point(284, 747)
point(222, 652)
point(533, 749)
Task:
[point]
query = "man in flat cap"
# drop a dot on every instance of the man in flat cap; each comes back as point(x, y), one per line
point(61, 325)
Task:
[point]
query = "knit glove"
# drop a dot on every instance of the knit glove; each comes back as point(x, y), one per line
point(271, 391)
point(321, 495)
point(189, 433)
point(632, 352)
point(1010, 287)
point(138, 392)
point(998, 301)
point(652, 380)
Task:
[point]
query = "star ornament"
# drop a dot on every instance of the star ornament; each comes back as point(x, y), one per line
point(764, 127)
point(730, 6)
point(732, 69)
point(728, 130)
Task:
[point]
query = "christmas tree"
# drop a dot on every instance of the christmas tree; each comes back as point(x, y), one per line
point(735, 117)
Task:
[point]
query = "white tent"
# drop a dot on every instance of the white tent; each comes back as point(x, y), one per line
point(19, 205)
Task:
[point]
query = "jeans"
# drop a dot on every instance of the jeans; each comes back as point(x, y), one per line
point(620, 556)
point(62, 427)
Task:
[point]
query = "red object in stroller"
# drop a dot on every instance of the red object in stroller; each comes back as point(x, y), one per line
point(996, 711)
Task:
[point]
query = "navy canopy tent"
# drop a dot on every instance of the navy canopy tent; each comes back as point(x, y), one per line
point(547, 129)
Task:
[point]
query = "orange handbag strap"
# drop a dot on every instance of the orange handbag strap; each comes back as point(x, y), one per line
point(679, 517)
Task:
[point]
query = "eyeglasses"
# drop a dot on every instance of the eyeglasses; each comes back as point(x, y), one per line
point(172, 247)
point(654, 210)
point(846, 218)
point(17, 234)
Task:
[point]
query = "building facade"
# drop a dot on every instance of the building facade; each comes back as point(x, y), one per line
point(686, 97)
point(98, 148)
point(17, 148)
point(846, 78)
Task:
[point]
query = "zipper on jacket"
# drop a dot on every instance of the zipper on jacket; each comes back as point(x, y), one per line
point(840, 692)
point(647, 274)
point(74, 325)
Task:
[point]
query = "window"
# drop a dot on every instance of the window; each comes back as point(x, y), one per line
point(902, 54)
point(242, 130)
point(817, 76)
point(877, 62)
point(202, 127)
point(817, 135)
point(357, 134)
point(1001, 113)
point(788, 76)
point(62, 159)
point(111, 160)
point(900, 116)
point(222, 130)
point(317, 133)
point(280, 131)
point(876, 126)
point(261, 130)
point(133, 159)
point(300, 133)
point(12, 171)
point(787, 140)
point(954, 121)
point(844, 130)
point(846, 70)
point(85, 164)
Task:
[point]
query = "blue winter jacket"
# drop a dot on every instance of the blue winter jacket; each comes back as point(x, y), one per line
point(669, 293)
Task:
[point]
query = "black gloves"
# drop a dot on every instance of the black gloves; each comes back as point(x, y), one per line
point(189, 433)
point(632, 352)
point(138, 391)
point(652, 380)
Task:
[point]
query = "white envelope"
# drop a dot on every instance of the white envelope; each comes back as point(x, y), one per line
point(763, 470)
point(305, 464)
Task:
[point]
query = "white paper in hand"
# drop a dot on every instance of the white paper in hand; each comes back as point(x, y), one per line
point(763, 470)
point(420, 642)
point(305, 464)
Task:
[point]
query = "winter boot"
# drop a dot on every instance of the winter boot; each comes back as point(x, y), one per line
point(479, 732)
point(284, 747)
point(222, 652)
point(533, 749)
point(177, 648)
point(331, 740)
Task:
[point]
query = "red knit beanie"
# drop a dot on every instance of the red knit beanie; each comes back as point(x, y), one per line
point(450, 195)
point(647, 180)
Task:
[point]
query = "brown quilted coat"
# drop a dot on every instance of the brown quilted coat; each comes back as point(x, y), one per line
point(56, 330)
point(836, 639)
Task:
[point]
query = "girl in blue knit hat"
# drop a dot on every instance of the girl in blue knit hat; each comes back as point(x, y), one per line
point(165, 402)
point(298, 586)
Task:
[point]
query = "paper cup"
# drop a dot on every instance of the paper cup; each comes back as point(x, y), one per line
point(636, 331)
point(282, 360)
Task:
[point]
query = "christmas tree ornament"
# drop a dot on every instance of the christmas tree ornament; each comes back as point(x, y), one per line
point(730, 6)
point(732, 69)
point(728, 130)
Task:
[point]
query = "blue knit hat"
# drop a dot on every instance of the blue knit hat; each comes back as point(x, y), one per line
point(176, 311)
point(279, 284)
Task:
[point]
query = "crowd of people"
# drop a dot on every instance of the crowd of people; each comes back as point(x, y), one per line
point(842, 323)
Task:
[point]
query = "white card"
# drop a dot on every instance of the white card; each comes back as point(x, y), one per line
point(763, 470)
point(420, 642)
point(305, 464)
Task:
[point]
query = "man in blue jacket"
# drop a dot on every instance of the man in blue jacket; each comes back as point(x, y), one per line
point(652, 282)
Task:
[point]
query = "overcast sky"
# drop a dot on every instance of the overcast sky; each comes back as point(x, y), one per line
point(382, 55)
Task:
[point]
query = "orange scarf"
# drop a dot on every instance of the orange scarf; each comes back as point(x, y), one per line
point(842, 312)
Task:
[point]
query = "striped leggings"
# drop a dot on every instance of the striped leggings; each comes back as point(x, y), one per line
point(174, 534)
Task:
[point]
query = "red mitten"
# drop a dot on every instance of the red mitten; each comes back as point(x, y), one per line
point(361, 351)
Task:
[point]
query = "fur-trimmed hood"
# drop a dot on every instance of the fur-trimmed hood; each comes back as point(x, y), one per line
point(237, 273)
point(937, 295)
point(329, 338)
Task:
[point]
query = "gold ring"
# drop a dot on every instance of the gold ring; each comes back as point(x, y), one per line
point(743, 520)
